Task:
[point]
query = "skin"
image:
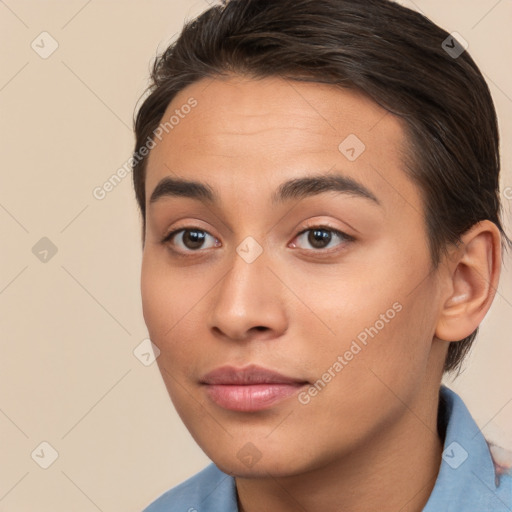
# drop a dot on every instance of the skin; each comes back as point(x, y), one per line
point(295, 309)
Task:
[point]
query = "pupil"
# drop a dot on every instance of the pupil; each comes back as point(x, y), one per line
point(193, 239)
point(319, 238)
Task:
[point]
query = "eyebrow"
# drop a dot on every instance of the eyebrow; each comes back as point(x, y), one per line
point(296, 188)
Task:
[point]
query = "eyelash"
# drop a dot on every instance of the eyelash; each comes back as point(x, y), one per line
point(324, 227)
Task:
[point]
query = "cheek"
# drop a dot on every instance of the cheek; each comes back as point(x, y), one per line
point(170, 302)
point(154, 300)
point(384, 323)
point(164, 299)
point(398, 344)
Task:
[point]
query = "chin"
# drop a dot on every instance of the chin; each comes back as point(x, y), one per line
point(258, 470)
point(248, 462)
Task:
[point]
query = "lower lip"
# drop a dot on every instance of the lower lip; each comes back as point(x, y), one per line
point(250, 398)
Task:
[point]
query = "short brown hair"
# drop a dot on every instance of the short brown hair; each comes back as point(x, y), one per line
point(397, 56)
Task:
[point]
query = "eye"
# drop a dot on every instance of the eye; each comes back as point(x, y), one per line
point(189, 239)
point(319, 237)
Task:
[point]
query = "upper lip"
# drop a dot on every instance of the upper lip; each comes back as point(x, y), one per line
point(249, 375)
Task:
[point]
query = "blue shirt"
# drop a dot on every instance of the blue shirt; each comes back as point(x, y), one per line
point(467, 481)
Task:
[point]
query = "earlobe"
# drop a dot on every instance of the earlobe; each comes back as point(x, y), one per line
point(473, 278)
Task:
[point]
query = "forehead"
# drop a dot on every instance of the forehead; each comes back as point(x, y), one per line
point(254, 134)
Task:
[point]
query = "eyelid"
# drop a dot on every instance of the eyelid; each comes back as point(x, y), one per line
point(184, 227)
point(323, 225)
point(327, 227)
point(175, 231)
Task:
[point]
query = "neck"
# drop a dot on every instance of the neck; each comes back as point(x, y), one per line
point(395, 470)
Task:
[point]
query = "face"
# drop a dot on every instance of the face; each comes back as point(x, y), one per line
point(314, 282)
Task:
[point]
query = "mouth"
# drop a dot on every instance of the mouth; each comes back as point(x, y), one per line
point(249, 389)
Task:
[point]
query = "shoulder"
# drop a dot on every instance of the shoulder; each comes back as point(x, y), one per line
point(474, 474)
point(208, 490)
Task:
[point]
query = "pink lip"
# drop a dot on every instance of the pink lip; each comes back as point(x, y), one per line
point(248, 389)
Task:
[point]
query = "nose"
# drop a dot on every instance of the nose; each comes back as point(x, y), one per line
point(249, 301)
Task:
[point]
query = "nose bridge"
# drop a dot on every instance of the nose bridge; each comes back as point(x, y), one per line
point(248, 295)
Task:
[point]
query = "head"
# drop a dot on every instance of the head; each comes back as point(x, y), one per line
point(258, 99)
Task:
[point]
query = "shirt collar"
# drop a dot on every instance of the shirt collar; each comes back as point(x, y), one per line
point(467, 479)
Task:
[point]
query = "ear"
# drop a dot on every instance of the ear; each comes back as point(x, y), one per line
point(471, 282)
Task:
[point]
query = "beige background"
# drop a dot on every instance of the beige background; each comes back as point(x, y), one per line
point(68, 374)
